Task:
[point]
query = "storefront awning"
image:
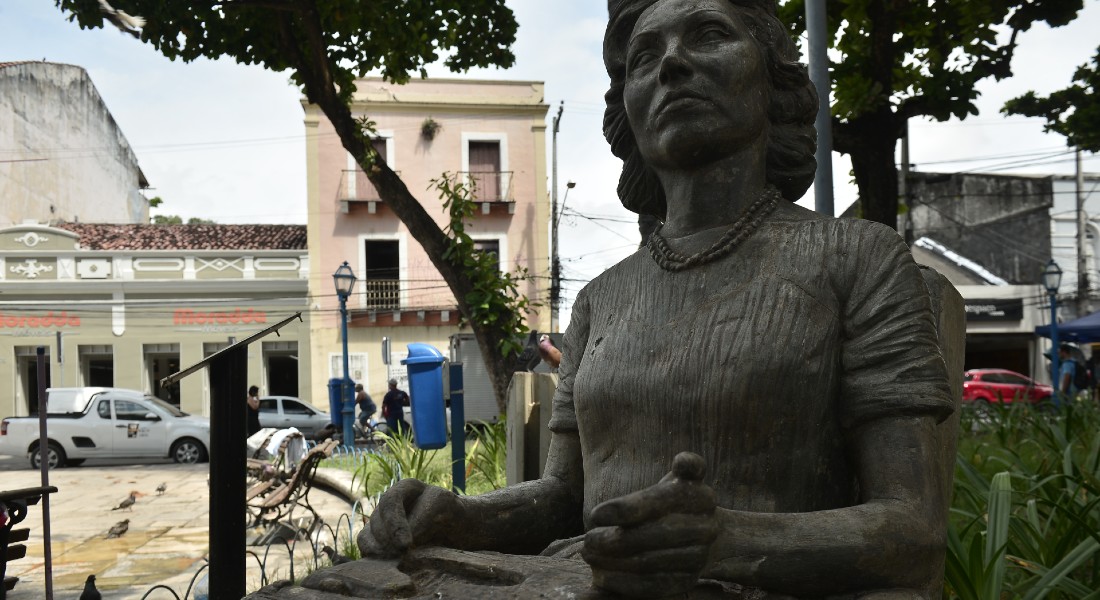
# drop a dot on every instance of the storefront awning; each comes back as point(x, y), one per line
point(1085, 330)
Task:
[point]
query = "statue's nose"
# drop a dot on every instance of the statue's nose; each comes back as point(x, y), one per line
point(674, 66)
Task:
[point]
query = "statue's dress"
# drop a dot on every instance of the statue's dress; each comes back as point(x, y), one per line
point(762, 362)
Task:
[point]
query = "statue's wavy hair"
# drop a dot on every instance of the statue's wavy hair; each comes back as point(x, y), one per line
point(792, 138)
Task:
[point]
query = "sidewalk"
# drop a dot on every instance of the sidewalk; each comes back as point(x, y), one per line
point(166, 541)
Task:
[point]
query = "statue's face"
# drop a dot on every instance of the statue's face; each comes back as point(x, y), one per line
point(696, 87)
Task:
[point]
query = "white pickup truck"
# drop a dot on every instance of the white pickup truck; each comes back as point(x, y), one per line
point(94, 422)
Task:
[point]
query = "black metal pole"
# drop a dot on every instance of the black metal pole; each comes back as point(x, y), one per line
point(458, 430)
point(44, 464)
point(228, 388)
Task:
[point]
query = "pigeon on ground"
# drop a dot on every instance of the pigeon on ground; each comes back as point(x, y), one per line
point(337, 559)
point(549, 351)
point(125, 23)
point(128, 503)
point(161, 488)
point(90, 592)
point(118, 528)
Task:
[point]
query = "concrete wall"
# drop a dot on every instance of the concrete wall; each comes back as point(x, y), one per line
point(1000, 222)
point(62, 156)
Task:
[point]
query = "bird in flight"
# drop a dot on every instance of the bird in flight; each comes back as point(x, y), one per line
point(125, 23)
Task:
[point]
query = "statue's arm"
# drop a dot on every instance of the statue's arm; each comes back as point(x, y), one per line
point(524, 518)
point(892, 539)
point(519, 519)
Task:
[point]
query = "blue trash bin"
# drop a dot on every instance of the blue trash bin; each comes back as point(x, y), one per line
point(335, 402)
point(425, 365)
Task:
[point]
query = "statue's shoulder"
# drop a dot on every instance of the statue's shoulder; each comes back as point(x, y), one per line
point(622, 275)
point(841, 234)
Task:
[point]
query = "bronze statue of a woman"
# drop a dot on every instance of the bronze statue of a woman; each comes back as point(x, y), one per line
point(785, 364)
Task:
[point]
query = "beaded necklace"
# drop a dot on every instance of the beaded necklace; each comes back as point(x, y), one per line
point(748, 222)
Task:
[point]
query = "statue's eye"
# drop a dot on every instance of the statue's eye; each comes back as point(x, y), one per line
point(711, 33)
point(641, 58)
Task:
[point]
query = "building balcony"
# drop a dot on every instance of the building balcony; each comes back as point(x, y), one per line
point(491, 188)
point(356, 188)
point(382, 294)
point(383, 303)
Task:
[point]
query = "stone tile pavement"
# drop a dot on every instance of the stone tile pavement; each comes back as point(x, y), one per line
point(167, 538)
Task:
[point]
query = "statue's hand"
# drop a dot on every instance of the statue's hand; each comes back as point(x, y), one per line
point(411, 513)
point(654, 542)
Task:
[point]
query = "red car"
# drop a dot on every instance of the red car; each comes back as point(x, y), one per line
point(1001, 385)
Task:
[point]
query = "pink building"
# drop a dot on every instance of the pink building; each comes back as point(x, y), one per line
point(490, 132)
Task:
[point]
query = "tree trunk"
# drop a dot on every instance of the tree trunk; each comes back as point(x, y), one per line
point(874, 168)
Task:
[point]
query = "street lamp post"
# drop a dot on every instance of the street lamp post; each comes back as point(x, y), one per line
point(344, 279)
point(1052, 280)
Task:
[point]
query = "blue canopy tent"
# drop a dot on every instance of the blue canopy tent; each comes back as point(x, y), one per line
point(1085, 330)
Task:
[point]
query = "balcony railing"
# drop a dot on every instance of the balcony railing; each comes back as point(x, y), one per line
point(490, 186)
point(355, 187)
point(382, 294)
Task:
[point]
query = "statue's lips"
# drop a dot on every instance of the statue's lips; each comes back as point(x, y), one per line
point(678, 101)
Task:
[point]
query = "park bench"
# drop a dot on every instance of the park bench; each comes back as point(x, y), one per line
point(269, 502)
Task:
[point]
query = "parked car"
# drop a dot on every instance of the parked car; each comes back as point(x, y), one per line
point(93, 422)
point(287, 411)
point(1002, 385)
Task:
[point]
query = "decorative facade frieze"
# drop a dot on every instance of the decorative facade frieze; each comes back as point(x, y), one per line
point(30, 268)
point(32, 239)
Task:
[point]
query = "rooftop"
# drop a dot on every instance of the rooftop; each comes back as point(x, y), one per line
point(101, 236)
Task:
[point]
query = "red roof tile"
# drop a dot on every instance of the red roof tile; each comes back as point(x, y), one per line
point(101, 236)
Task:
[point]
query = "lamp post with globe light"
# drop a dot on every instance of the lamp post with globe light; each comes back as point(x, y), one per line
point(1052, 280)
point(345, 279)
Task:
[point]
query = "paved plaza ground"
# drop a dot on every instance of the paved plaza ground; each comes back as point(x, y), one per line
point(167, 538)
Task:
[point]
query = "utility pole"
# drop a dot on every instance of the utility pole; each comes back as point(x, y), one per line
point(903, 188)
point(555, 267)
point(1083, 304)
point(817, 31)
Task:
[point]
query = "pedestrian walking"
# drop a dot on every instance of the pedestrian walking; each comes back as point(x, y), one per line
point(393, 409)
point(253, 408)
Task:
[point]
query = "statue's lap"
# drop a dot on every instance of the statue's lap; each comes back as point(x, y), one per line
point(434, 573)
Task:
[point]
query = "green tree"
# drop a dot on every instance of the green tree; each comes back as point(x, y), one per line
point(156, 201)
point(326, 45)
point(901, 59)
point(1073, 112)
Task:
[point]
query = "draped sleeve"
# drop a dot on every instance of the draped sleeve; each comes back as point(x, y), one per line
point(563, 417)
point(892, 364)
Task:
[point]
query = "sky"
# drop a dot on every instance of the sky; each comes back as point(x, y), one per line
point(223, 141)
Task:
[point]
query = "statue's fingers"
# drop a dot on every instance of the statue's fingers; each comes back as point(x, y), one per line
point(655, 502)
point(672, 531)
point(389, 521)
point(686, 559)
point(689, 466)
point(369, 546)
point(430, 515)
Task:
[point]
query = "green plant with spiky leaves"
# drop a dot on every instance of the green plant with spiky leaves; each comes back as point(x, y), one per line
point(487, 456)
point(1026, 510)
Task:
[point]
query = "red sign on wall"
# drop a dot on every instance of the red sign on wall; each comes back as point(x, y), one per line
point(50, 319)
